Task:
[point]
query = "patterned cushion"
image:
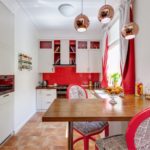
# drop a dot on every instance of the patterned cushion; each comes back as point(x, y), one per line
point(89, 127)
point(116, 142)
point(76, 92)
point(142, 136)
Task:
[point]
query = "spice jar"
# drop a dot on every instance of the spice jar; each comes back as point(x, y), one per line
point(139, 89)
point(90, 84)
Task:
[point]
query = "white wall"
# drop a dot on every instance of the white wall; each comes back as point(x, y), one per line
point(142, 45)
point(25, 81)
point(70, 34)
point(25, 40)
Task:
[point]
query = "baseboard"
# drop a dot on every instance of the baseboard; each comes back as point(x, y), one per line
point(17, 129)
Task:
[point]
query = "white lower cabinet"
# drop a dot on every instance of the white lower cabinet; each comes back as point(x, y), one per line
point(45, 98)
point(6, 116)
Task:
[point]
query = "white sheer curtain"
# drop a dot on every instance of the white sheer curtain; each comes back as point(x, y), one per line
point(103, 45)
point(124, 19)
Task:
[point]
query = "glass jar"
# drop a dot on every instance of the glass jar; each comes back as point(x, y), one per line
point(147, 93)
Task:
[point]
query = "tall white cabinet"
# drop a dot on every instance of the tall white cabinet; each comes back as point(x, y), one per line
point(46, 57)
point(46, 60)
point(6, 41)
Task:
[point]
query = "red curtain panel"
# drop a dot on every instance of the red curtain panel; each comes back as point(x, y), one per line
point(104, 66)
point(129, 70)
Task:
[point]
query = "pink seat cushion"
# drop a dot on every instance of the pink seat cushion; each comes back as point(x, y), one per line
point(142, 136)
point(89, 127)
point(116, 142)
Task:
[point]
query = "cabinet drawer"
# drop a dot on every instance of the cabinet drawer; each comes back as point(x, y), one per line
point(46, 104)
point(48, 92)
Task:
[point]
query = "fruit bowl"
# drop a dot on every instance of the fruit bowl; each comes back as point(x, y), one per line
point(113, 92)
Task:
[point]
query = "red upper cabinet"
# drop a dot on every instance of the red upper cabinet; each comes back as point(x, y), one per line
point(46, 57)
point(82, 44)
point(45, 44)
point(94, 45)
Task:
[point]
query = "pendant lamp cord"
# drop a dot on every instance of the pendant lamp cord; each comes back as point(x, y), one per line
point(105, 2)
point(81, 6)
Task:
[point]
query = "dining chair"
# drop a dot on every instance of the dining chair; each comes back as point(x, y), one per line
point(86, 129)
point(137, 135)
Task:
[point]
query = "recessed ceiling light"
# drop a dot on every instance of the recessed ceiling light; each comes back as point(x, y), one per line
point(66, 10)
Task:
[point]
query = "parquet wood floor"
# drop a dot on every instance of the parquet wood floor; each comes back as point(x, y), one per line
point(38, 135)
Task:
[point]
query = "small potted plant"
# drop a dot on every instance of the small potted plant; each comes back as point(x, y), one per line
point(115, 78)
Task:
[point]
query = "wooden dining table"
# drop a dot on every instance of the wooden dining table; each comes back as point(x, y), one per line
point(98, 109)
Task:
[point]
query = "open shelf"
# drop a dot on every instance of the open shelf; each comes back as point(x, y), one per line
point(94, 44)
point(57, 52)
point(72, 52)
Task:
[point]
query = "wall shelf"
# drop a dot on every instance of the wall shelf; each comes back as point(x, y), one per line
point(24, 62)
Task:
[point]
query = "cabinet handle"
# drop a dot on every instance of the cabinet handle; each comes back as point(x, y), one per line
point(48, 102)
point(6, 95)
point(48, 95)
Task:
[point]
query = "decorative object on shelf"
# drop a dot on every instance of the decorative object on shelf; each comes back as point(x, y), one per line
point(130, 30)
point(81, 22)
point(24, 62)
point(106, 13)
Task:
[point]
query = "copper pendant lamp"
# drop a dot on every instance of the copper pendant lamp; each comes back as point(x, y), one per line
point(106, 13)
point(81, 22)
point(130, 30)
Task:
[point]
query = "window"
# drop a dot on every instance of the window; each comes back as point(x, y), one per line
point(113, 63)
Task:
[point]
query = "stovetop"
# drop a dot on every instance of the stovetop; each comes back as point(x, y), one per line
point(62, 86)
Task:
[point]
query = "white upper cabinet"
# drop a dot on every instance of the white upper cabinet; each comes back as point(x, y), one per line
point(94, 61)
point(82, 61)
point(88, 57)
point(6, 42)
point(46, 58)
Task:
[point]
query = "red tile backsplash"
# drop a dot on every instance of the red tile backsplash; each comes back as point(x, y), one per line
point(67, 75)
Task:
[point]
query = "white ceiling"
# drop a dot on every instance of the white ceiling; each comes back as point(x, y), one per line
point(46, 16)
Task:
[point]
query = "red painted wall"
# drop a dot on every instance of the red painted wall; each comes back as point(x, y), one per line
point(67, 75)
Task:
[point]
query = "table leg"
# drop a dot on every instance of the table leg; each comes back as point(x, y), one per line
point(70, 136)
